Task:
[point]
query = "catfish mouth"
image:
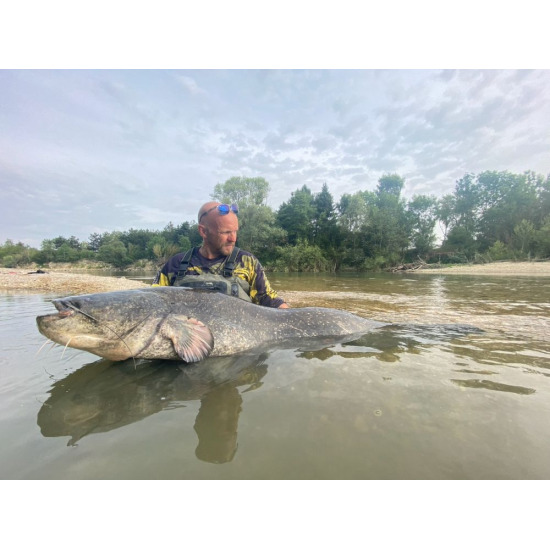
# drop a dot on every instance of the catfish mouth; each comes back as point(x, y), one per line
point(64, 307)
point(64, 310)
point(63, 326)
point(52, 326)
point(70, 326)
point(46, 322)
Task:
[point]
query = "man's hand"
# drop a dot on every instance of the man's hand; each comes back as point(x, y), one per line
point(284, 306)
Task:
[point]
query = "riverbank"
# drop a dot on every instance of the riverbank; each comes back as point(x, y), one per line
point(529, 269)
point(64, 283)
point(89, 265)
point(82, 283)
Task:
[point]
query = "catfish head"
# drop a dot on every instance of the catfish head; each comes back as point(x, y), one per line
point(125, 324)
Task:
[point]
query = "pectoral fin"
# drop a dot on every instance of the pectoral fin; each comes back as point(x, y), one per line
point(192, 340)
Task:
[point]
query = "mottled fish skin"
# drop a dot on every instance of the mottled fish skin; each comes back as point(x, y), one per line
point(152, 323)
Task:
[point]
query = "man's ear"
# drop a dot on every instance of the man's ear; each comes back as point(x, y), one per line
point(202, 231)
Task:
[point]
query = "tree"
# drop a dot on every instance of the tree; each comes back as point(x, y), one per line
point(242, 191)
point(47, 252)
point(14, 254)
point(467, 203)
point(172, 233)
point(325, 232)
point(388, 232)
point(95, 240)
point(164, 250)
point(9, 248)
point(460, 243)
point(459, 215)
point(354, 216)
point(301, 257)
point(422, 213)
point(499, 251)
point(184, 243)
point(543, 238)
point(390, 184)
point(71, 242)
point(66, 253)
point(542, 186)
point(505, 199)
point(446, 213)
point(353, 212)
point(114, 252)
point(258, 231)
point(137, 241)
point(297, 216)
point(524, 234)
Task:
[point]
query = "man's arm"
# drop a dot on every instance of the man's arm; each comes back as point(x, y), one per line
point(161, 279)
point(261, 291)
point(166, 276)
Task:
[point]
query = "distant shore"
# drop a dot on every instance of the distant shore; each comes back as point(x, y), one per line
point(530, 269)
point(81, 283)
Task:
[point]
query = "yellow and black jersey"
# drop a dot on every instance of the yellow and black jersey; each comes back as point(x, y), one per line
point(247, 267)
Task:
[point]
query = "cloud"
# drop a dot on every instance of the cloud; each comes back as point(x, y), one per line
point(190, 85)
point(86, 141)
point(151, 216)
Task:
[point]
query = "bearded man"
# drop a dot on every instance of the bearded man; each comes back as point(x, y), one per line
point(218, 264)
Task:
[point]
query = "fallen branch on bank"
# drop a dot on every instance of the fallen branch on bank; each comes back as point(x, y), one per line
point(419, 264)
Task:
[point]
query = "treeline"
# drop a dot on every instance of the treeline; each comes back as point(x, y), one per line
point(489, 216)
point(118, 248)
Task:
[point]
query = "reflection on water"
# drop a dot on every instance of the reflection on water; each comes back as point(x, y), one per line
point(387, 343)
point(430, 396)
point(104, 396)
point(487, 384)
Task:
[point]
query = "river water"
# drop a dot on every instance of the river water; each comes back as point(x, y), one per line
point(457, 387)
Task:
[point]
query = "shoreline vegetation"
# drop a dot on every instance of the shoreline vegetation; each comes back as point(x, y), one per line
point(489, 217)
point(60, 282)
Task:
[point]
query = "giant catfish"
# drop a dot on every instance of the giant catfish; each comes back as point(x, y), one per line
point(175, 323)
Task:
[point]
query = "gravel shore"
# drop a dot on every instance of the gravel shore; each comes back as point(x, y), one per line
point(64, 283)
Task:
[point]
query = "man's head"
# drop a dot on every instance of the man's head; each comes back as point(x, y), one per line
point(218, 230)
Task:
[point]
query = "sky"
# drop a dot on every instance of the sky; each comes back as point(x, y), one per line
point(92, 151)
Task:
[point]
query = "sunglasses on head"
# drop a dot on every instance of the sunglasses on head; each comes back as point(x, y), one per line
point(223, 209)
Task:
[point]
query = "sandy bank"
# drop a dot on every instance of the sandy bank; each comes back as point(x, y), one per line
point(531, 269)
point(80, 283)
point(63, 283)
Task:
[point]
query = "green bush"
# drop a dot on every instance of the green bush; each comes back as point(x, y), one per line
point(184, 243)
point(543, 238)
point(524, 237)
point(67, 254)
point(9, 261)
point(376, 263)
point(114, 253)
point(499, 251)
point(301, 257)
point(16, 254)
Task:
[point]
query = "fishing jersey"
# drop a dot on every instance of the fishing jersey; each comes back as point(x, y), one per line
point(247, 267)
